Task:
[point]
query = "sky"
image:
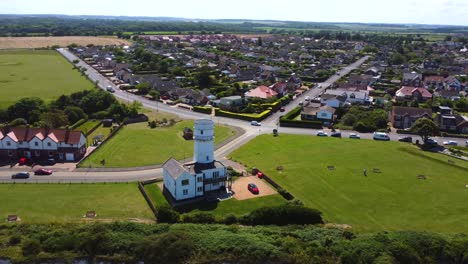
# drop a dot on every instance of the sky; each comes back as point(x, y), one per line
point(443, 12)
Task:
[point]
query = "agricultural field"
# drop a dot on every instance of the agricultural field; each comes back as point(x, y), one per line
point(70, 202)
point(138, 145)
point(220, 209)
point(405, 188)
point(44, 42)
point(37, 73)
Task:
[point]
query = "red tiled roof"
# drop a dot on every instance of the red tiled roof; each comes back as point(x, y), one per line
point(434, 78)
point(20, 134)
point(262, 92)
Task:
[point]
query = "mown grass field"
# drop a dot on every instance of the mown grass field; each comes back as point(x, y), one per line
point(220, 209)
point(138, 145)
point(44, 203)
point(394, 199)
point(44, 42)
point(40, 73)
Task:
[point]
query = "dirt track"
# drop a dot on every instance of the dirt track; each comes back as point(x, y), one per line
point(43, 42)
point(239, 187)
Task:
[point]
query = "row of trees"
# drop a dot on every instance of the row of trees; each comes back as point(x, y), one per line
point(67, 109)
point(123, 242)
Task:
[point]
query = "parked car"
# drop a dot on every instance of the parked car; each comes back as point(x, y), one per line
point(110, 89)
point(336, 134)
point(319, 86)
point(307, 98)
point(405, 139)
point(253, 188)
point(380, 136)
point(255, 123)
point(282, 109)
point(450, 143)
point(22, 161)
point(338, 73)
point(431, 142)
point(42, 171)
point(322, 134)
point(355, 136)
point(20, 175)
point(301, 103)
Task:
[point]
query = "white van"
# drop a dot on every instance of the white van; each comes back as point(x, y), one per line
point(381, 136)
point(307, 99)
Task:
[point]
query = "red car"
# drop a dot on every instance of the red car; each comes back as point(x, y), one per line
point(42, 172)
point(22, 161)
point(253, 188)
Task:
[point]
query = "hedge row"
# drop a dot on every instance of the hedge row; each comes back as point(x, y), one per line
point(288, 120)
point(79, 123)
point(248, 117)
point(202, 109)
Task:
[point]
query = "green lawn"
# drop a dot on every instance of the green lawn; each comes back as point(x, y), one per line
point(220, 209)
point(138, 145)
point(41, 73)
point(42, 203)
point(88, 125)
point(101, 130)
point(394, 199)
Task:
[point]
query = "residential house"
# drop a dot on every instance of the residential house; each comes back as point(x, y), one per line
point(41, 144)
point(201, 178)
point(332, 100)
point(263, 92)
point(350, 97)
point(315, 112)
point(232, 103)
point(452, 83)
point(430, 65)
point(405, 117)
point(448, 121)
point(447, 94)
point(408, 93)
point(434, 82)
point(412, 79)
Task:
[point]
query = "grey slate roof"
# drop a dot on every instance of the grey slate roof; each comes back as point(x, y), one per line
point(174, 168)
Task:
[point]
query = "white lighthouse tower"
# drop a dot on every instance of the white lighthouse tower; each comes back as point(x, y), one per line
point(204, 141)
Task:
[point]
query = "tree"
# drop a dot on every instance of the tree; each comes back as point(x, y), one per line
point(54, 119)
point(143, 88)
point(74, 114)
point(396, 59)
point(29, 108)
point(155, 94)
point(425, 128)
point(134, 108)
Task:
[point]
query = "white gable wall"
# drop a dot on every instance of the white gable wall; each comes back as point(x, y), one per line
point(169, 183)
point(8, 140)
point(35, 141)
point(53, 144)
point(190, 188)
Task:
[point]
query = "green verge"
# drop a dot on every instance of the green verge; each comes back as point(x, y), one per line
point(395, 199)
point(220, 209)
point(138, 145)
point(45, 203)
point(37, 73)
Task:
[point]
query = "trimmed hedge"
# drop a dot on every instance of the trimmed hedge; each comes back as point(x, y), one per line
point(202, 109)
point(247, 117)
point(288, 120)
point(79, 123)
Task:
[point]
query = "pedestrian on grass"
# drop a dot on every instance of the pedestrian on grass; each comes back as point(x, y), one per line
point(365, 172)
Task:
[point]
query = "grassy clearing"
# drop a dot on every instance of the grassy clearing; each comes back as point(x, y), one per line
point(138, 145)
point(88, 125)
point(43, 203)
point(394, 199)
point(41, 73)
point(101, 130)
point(220, 209)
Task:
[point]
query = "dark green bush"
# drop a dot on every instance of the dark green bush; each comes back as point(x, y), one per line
point(165, 214)
point(199, 218)
point(287, 214)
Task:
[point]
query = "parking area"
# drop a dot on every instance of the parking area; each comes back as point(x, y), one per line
point(239, 188)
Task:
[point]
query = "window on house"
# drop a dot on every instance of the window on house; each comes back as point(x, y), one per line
point(199, 179)
point(10, 153)
point(216, 174)
point(37, 153)
point(8, 143)
point(215, 184)
point(201, 132)
point(185, 182)
point(207, 157)
point(48, 144)
point(200, 189)
point(36, 144)
point(185, 192)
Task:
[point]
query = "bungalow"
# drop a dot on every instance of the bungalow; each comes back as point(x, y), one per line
point(350, 97)
point(335, 101)
point(413, 93)
point(41, 144)
point(412, 79)
point(263, 92)
point(232, 103)
point(405, 117)
point(316, 112)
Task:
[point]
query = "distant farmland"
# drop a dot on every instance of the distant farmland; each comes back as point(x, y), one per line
point(43, 42)
point(40, 73)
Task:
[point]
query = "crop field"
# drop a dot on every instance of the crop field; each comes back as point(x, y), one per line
point(37, 73)
point(405, 188)
point(44, 42)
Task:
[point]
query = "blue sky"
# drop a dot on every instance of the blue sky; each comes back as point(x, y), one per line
point(444, 12)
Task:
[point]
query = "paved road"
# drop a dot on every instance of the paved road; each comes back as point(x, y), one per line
point(251, 132)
